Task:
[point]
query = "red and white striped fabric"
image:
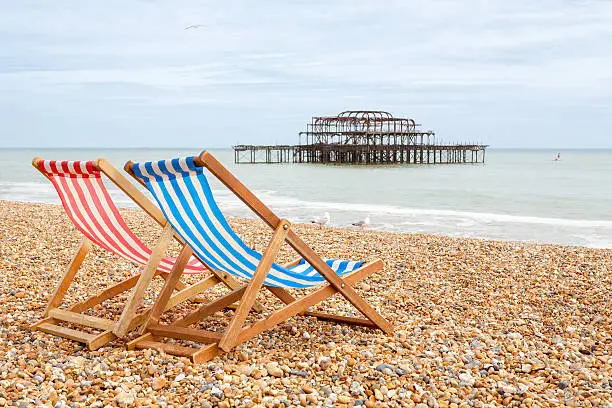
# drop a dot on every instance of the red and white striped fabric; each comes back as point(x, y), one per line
point(93, 212)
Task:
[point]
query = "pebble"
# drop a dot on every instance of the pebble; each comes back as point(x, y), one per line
point(274, 370)
point(476, 323)
point(125, 398)
point(466, 379)
point(217, 393)
point(158, 383)
point(385, 368)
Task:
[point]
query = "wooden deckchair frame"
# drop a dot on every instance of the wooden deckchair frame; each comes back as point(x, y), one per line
point(235, 333)
point(129, 318)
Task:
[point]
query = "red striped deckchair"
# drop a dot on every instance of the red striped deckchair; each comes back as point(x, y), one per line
point(89, 206)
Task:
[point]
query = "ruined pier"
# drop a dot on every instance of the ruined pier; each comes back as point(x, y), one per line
point(363, 137)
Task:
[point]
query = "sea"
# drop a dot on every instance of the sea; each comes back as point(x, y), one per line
point(517, 195)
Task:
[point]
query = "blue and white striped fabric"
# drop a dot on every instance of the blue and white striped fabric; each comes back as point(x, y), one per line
point(184, 195)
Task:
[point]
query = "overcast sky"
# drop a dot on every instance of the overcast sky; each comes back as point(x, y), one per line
point(128, 74)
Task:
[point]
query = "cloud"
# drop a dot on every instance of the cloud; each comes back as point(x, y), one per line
point(442, 59)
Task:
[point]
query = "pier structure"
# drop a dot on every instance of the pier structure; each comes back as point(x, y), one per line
point(363, 137)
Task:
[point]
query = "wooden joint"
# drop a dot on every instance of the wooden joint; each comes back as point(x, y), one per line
point(101, 339)
point(131, 345)
point(284, 224)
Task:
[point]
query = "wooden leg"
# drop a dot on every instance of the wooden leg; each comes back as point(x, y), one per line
point(191, 291)
point(101, 339)
point(302, 304)
point(131, 345)
point(282, 294)
point(135, 300)
point(211, 307)
point(246, 302)
point(337, 282)
point(179, 285)
point(206, 353)
point(171, 281)
point(341, 319)
point(73, 267)
point(106, 294)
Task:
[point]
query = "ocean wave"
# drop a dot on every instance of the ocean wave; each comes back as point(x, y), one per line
point(382, 210)
point(43, 192)
point(586, 232)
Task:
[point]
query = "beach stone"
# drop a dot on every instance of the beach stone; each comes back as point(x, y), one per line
point(158, 383)
point(466, 379)
point(125, 398)
point(307, 388)
point(243, 356)
point(301, 373)
point(217, 393)
point(246, 369)
point(324, 362)
point(385, 368)
point(274, 370)
point(205, 387)
point(356, 389)
point(509, 389)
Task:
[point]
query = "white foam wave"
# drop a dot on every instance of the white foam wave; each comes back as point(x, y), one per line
point(587, 232)
point(279, 201)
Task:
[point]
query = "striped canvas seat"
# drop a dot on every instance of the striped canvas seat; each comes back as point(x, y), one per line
point(185, 197)
point(181, 189)
point(93, 212)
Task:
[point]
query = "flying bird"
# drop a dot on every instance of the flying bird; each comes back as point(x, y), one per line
point(194, 26)
point(321, 221)
point(363, 223)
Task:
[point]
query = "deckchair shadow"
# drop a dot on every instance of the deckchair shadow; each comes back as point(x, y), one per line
point(181, 189)
point(91, 209)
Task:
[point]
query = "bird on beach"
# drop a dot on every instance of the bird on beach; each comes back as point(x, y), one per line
point(363, 223)
point(321, 221)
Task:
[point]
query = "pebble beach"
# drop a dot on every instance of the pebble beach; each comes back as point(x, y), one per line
point(477, 323)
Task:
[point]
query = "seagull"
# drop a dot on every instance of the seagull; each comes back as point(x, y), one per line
point(363, 223)
point(321, 221)
point(194, 26)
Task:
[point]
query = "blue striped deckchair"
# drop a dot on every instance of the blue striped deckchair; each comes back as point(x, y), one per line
point(181, 189)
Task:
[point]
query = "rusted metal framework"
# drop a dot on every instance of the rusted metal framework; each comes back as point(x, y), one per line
point(363, 137)
point(364, 128)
